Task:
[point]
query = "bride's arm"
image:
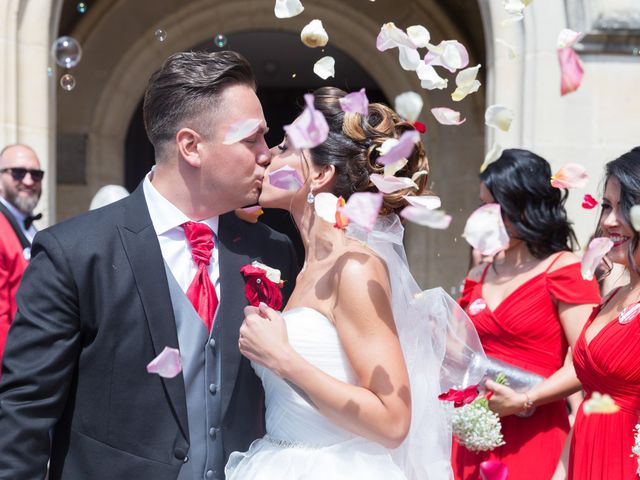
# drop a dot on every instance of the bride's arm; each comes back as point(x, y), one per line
point(379, 407)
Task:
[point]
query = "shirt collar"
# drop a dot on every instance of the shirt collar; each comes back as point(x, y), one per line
point(19, 216)
point(165, 215)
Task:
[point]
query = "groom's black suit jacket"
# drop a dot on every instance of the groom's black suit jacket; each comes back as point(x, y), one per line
point(93, 310)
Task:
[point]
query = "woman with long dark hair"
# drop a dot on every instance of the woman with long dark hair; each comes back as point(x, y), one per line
point(528, 306)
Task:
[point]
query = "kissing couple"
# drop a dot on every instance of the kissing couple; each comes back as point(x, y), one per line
point(341, 383)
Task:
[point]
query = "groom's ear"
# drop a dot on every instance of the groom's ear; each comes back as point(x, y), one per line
point(189, 143)
point(322, 177)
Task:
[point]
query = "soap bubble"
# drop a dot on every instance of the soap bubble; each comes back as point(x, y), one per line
point(161, 35)
point(68, 82)
point(220, 40)
point(66, 51)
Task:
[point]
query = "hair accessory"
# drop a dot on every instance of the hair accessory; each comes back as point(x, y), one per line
point(311, 197)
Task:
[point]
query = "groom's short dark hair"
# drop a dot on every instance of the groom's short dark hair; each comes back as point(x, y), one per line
point(187, 85)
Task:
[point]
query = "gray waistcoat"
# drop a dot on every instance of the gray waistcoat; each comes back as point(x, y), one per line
point(201, 371)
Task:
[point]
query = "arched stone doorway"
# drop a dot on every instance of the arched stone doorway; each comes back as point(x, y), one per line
point(120, 52)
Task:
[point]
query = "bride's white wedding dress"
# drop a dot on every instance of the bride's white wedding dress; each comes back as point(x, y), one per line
point(302, 444)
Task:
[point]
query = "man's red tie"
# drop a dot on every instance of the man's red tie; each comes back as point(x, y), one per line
point(201, 292)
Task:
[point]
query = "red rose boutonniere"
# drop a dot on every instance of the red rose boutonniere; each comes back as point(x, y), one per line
point(262, 284)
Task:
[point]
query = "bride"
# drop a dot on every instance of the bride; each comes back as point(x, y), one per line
point(350, 368)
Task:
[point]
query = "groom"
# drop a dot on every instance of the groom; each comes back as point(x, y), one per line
point(107, 291)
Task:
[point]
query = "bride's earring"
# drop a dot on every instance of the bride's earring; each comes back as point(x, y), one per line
point(311, 197)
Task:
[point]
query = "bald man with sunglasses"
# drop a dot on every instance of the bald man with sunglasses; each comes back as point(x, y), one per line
point(20, 190)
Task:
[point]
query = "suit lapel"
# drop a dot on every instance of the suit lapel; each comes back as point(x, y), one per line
point(143, 251)
point(14, 225)
point(233, 256)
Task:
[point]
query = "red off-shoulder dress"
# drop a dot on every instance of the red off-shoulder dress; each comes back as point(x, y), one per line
point(609, 363)
point(525, 331)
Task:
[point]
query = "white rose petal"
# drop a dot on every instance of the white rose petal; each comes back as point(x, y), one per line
point(288, 8)
point(408, 105)
point(314, 35)
point(419, 35)
point(325, 67)
point(466, 83)
point(429, 78)
point(446, 116)
point(498, 116)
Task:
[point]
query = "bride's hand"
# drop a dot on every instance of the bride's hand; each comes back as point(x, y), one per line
point(504, 400)
point(263, 338)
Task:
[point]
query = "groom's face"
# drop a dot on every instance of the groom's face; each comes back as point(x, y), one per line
point(233, 173)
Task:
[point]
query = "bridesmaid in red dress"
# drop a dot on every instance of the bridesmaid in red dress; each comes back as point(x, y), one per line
point(607, 353)
point(528, 306)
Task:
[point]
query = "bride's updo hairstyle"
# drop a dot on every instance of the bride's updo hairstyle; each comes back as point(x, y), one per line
point(352, 148)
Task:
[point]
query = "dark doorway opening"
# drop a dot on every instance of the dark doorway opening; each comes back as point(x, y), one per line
point(283, 67)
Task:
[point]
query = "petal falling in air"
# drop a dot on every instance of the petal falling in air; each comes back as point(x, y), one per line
point(431, 202)
point(492, 155)
point(429, 78)
point(493, 470)
point(325, 67)
point(426, 217)
point(402, 149)
point(288, 8)
point(249, 214)
point(600, 403)
point(634, 214)
point(485, 230)
point(391, 184)
point(446, 116)
point(356, 102)
point(325, 206)
point(363, 209)
point(391, 36)
point(466, 83)
point(571, 71)
point(409, 105)
point(167, 364)
point(598, 248)
point(419, 35)
point(511, 50)
point(314, 35)
point(286, 178)
point(572, 175)
point(310, 129)
point(498, 116)
point(238, 131)
point(449, 54)
point(588, 202)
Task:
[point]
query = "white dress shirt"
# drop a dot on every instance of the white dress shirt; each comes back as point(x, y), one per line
point(176, 251)
point(19, 216)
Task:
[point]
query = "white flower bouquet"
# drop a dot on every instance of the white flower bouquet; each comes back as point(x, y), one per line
point(636, 446)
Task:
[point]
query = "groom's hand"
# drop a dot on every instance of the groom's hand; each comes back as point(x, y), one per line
point(263, 338)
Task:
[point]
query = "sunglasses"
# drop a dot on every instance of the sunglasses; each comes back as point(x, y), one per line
point(18, 174)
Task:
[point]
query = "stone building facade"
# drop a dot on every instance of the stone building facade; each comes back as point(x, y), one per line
point(92, 136)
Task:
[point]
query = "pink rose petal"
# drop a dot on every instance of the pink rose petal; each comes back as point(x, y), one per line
point(447, 116)
point(167, 364)
point(388, 184)
point(598, 248)
point(568, 38)
point(363, 208)
point(238, 131)
point(430, 202)
point(286, 178)
point(310, 129)
point(493, 470)
point(449, 54)
point(572, 175)
point(426, 217)
point(391, 36)
point(485, 230)
point(356, 102)
point(571, 71)
point(403, 149)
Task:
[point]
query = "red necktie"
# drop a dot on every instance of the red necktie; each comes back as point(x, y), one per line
point(201, 293)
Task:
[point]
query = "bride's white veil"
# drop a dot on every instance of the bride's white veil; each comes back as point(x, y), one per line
point(439, 344)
